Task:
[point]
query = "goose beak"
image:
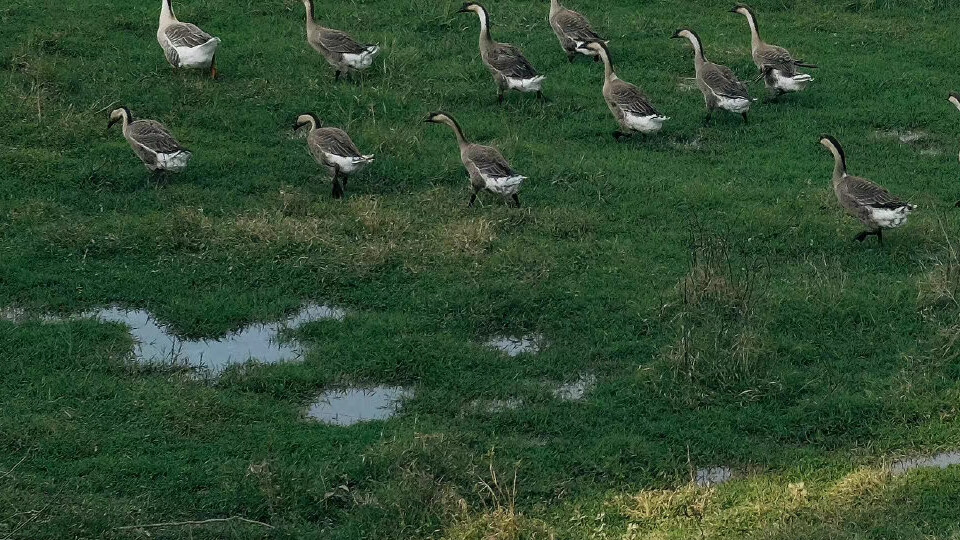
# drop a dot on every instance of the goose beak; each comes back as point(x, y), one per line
point(675, 35)
point(464, 9)
point(428, 120)
point(734, 9)
point(112, 122)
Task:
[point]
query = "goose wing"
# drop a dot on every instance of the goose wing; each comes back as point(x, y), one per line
point(339, 42)
point(153, 136)
point(510, 62)
point(866, 193)
point(186, 35)
point(334, 141)
point(631, 100)
point(724, 82)
point(575, 26)
point(777, 58)
point(489, 161)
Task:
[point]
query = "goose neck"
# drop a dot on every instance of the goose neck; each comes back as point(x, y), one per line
point(485, 38)
point(311, 22)
point(458, 131)
point(755, 40)
point(554, 7)
point(166, 13)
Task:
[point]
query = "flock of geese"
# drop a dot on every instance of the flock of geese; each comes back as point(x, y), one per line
point(187, 46)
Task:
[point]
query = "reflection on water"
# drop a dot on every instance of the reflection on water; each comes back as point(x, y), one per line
point(348, 406)
point(156, 344)
point(711, 476)
point(514, 346)
point(937, 461)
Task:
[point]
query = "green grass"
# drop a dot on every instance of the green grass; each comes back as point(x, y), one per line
point(706, 277)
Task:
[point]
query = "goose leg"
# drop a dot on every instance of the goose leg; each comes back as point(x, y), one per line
point(337, 188)
point(473, 199)
point(861, 237)
point(879, 234)
point(500, 97)
point(570, 56)
point(516, 200)
point(213, 67)
point(745, 120)
point(337, 76)
point(540, 95)
point(958, 204)
point(706, 121)
point(617, 135)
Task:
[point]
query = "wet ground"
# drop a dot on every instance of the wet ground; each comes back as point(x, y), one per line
point(348, 406)
point(155, 343)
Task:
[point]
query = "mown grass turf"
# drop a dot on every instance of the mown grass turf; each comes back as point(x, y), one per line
point(705, 276)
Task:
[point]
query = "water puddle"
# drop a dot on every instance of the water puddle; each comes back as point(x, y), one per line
point(712, 476)
point(576, 390)
point(514, 346)
point(904, 136)
point(936, 461)
point(155, 343)
point(345, 407)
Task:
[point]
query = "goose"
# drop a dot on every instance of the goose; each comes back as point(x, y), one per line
point(629, 105)
point(333, 149)
point(184, 44)
point(510, 69)
point(339, 49)
point(486, 166)
point(777, 67)
point(873, 205)
point(151, 142)
point(573, 30)
point(720, 86)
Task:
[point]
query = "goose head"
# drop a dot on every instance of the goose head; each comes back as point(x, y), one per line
point(686, 34)
point(438, 117)
point(833, 145)
point(118, 115)
point(471, 7)
point(955, 99)
point(308, 119)
point(742, 9)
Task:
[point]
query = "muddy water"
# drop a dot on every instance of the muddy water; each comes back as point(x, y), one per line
point(348, 406)
point(712, 476)
point(936, 461)
point(515, 346)
point(155, 343)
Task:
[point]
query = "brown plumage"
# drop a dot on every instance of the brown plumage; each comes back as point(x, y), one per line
point(486, 166)
point(510, 69)
point(873, 205)
point(719, 85)
point(777, 67)
point(151, 142)
point(333, 149)
point(573, 30)
point(340, 50)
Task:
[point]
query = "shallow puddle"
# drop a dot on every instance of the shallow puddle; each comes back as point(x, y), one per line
point(576, 390)
point(904, 136)
point(514, 346)
point(936, 461)
point(712, 476)
point(348, 406)
point(155, 343)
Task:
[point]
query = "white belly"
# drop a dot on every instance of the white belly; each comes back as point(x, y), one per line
point(888, 218)
point(790, 84)
point(526, 85)
point(175, 162)
point(199, 57)
point(504, 186)
point(348, 165)
point(737, 105)
point(362, 60)
point(645, 124)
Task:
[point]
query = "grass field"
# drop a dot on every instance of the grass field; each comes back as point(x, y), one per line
point(706, 277)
